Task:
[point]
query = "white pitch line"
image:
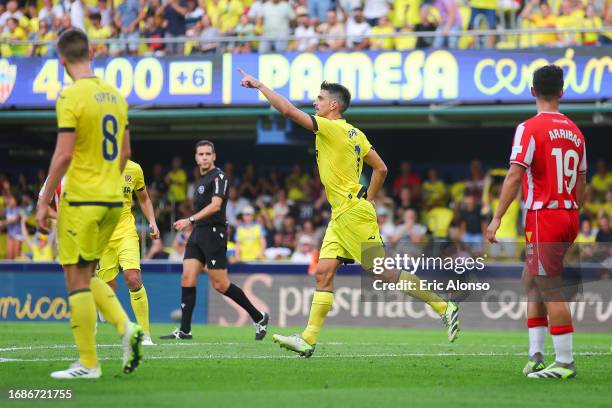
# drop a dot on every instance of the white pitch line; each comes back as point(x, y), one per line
point(223, 344)
point(269, 357)
point(64, 346)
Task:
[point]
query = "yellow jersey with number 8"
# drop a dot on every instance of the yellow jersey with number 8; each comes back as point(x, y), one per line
point(340, 150)
point(98, 114)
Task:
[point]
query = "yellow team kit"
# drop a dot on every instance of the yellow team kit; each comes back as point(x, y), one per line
point(91, 198)
point(124, 245)
point(341, 150)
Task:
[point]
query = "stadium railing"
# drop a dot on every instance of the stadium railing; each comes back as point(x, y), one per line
point(226, 40)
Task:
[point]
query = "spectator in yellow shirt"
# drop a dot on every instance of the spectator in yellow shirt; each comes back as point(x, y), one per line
point(434, 189)
point(16, 33)
point(587, 234)
point(42, 249)
point(383, 27)
point(545, 19)
point(570, 18)
point(439, 219)
point(601, 181)
point(224, 14)
point(43, 34)
point(97, 32)
point(590, 21)
point(177, 182)
point(406, 13)
point(250, 237)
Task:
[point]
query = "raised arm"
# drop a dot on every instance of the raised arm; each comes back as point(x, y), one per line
point(528, 9)
point(24, 232)
point(279, 102)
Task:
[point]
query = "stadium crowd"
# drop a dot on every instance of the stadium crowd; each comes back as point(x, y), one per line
point(351, 23)
point(282, 215)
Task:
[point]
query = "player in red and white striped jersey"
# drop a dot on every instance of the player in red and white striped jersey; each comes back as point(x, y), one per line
point(551, 149)
point(549, 157)
point(56, 196)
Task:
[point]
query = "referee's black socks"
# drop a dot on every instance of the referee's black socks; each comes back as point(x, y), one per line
point(238, 296)
point(188, 299)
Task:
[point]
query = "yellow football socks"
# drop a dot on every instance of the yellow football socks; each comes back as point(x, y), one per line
point(83, 323)
point(432, 299)
point(140, 306)
point(108, 304)
point(321, 305)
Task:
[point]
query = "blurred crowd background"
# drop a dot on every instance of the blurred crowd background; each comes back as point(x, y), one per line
point(348, 24)
point(281, 214)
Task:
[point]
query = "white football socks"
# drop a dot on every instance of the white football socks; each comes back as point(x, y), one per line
point(563, 348)
point(537, 336)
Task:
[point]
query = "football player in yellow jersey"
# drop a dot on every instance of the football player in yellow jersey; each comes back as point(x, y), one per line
point(92, 148)
point(341, 150)
point(124, 247)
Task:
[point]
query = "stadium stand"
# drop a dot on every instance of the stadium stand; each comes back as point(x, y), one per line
point(290, 205)
point(148, 27)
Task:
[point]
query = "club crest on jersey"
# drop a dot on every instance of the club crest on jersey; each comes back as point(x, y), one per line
point(352, 133)
point(8, 75)
point(201, 189)
point(128, 178)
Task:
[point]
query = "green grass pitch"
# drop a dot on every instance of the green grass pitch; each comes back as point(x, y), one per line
point(352, 367)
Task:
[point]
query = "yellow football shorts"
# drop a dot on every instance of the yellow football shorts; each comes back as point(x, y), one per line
point(124, 251)
point(83, 231)
point(354, 235)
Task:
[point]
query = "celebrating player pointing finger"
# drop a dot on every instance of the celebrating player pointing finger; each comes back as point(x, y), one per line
point(341, 151)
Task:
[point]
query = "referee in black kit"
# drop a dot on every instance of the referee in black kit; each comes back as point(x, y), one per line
point(207, 246)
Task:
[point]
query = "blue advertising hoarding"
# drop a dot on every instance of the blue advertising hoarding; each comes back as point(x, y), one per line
point(36, 291)
point(32, 291)
point(373, 77)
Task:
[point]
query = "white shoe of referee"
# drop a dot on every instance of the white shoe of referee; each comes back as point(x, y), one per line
point(76, 371)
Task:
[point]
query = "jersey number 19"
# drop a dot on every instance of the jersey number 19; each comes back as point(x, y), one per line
point(567, 167)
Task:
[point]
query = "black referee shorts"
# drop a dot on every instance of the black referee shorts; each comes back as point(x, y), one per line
point(208, 244)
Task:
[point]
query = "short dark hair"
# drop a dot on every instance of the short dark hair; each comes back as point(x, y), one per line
point(338, 92)
point(205, 143)
point(73, 45)
point(548, 82)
